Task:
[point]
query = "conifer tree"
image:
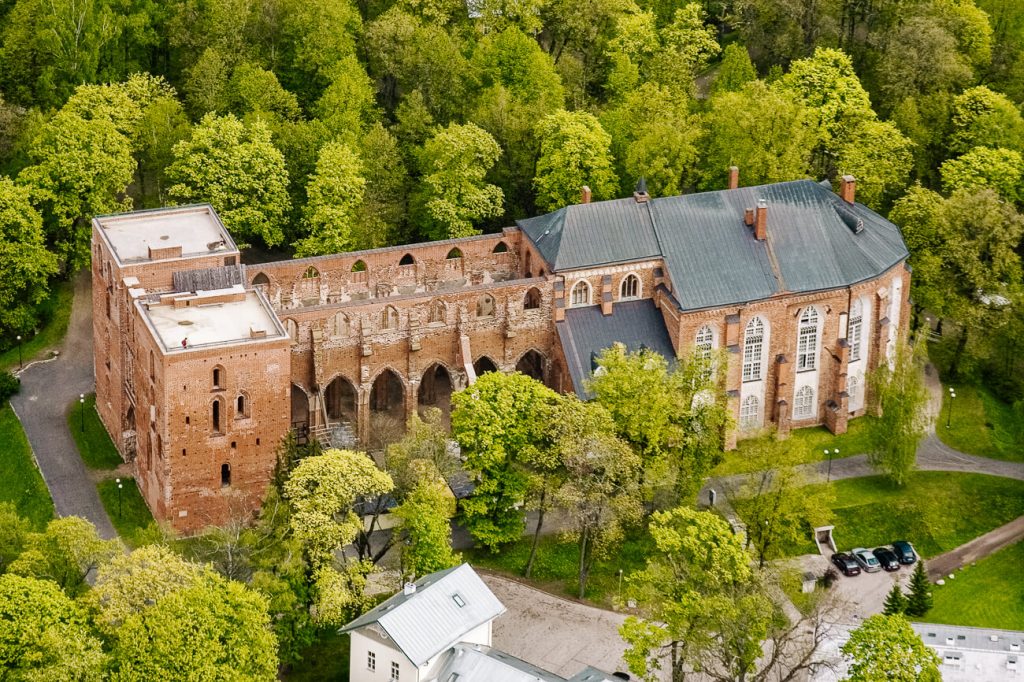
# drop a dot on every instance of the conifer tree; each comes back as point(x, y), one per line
point(920, 600)
point(895, 601)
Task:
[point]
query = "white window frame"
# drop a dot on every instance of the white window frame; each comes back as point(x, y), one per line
point(631, 277)
point(704, 342)
point(750, 412)
point(807, 340)
point(855, 329)
point(852, 391)
point(803, 403)
point(395, 671)
point(753, 350)
point(573, 302)
point(371, 661)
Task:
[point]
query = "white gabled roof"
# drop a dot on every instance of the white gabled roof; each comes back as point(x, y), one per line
point(444, 608)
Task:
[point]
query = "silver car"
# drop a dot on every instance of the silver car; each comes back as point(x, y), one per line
point(866, 559)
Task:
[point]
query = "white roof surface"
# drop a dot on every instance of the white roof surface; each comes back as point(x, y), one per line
point(471, 663)
point(430, 620)
point(210, 324)
point(193, 228)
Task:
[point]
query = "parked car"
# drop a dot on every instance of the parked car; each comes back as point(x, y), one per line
point(904, 551)
point(887, 558)
point(866, 560)
point(846, 564)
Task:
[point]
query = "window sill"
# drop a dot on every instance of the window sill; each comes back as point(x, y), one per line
point(807, 369)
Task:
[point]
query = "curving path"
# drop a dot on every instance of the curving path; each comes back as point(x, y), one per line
point(47, 388)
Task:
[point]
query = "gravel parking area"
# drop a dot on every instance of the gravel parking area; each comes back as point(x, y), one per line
point(861, 595)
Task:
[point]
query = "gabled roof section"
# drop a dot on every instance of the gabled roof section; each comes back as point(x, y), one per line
point(816, 241)
point(445, 607)
point(469, 663)
point(585, 235)
point(586, 332)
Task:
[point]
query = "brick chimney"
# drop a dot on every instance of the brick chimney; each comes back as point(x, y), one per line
point(847, 188)
point(640, 191)
point(734, 177)
point(761, 220)
point(748, 217)
point(585, 195)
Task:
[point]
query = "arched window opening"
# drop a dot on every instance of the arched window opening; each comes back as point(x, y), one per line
point(580, 293)
point(292, 328)
point(436, 390)
point(749, 412)
point(532, 365)
point(407, 259)
point(338, 326)
point(854, 330)
point(387, 395)
point(483, 365)
point(359, 266)
point(219, 377)
point(807, 340)
point(311, 273)
point(217, 411)
point(453, 254)
point(340, 400)
point(541, 273)
point(261, 280)
point(527, 267)
point(500, 247)
point(803, 407)
point(389, 318)
point(630, 287)
point(532, 299)
point(753, 350)
point(485, 306)
point(437, 312)
point(242, 406)
point(853, 388)
point(152, 368)
point(225, 475)
point(704, 343)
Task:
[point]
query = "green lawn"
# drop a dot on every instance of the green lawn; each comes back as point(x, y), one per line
point(94, 444)
point(989, 594)
point(326, 660)
point(810, 443)
point(980, 424)
point(131, 517)
point(54, 314)
point(936, 511)
point(21, 482)
point(556, 567)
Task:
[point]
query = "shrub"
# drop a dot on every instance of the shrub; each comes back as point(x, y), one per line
point(9, 385)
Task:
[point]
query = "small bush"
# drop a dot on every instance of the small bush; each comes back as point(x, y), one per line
point(829, 578)
point(9, 385)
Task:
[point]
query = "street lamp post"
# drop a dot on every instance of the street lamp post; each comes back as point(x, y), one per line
point(119, 487)
point(949, 411)
point(81, 401)
point(20, 364)
point(830, 454)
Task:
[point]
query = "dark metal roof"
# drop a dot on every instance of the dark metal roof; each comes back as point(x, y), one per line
point(208, 279)
point(586, 332)
point(815, 241)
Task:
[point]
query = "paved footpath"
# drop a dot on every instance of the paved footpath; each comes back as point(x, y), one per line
point(942, 565)
point(47, 388)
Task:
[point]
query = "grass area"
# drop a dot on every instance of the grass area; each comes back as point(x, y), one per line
point(21, 483)
point(988, 594)
point(325, 660)
point(980, 424)
point(810, 443)
point(556, 568)
point(131, 517)
point(54, 312)
point(94, 444)
point(936, 511)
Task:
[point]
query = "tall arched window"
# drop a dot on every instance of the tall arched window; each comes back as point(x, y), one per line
point(803, 407)
point(807, 340)
point(753, 350)
point(749, 412)
point(630, 287)
point(242, 406)
point(292, 327)
point(359, 266)
point(389, 318)
point(853, 392)
point(453, 254)
point(311, 273)
point(580, 293)
point(532, 299)
point(437, 311)
point(219, 377)
point(216, 415)
point(407, 259)
point(261, 280)
point(855, 329)
point(500, 247)
point(704, 342)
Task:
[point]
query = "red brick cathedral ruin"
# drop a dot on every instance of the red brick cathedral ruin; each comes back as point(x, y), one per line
point(203, 363)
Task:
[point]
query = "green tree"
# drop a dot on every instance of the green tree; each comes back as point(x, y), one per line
point(697, 581)
point(334, 193)
point(922, 59)
point(25, 263)
point(827, 84)
point(981, 117)
point(764, 131)
point(347, 106)
point(901, 398)
point(214, 629)
point(256, 90)
point(777, 505)
point(13, 531)
point(880, 157)
point(80, 168)
point(574, 151)
point(735, 70)
point(381, 218)
point(453, 194)
point(887, 648)
point(895, 601)
point(600, 491)
point(500, 421)
point(983, 167)
point(426, 514)
point(65, 553)
point(238, 170)
point(919, 601)
point(43, 634)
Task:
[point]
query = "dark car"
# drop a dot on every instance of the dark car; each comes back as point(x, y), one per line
point(887, 558)
point(904, 552)
point(846, 564)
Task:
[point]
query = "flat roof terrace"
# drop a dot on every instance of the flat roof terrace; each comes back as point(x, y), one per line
point(210, 318)
point(165, 233)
